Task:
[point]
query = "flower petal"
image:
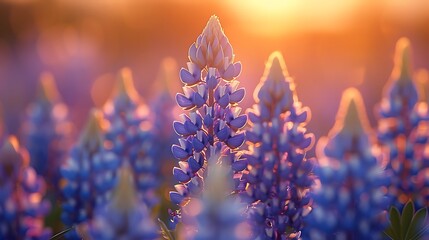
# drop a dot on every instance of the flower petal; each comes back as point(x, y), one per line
point(237, 96)
point(236, 141)
point(183, 101)
point(179, 152)
point(238, 122)
point(180, 129)
point(187, 78)
point(180, 175)
point(176, 198)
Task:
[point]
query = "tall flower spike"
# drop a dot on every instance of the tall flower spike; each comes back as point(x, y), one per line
point(399, 96)
point(280, 176)
point(215, 215)
point(164, 111)
point(47, 131)
point(351, 201)
point(89, 174)
point(123, 217)
point(402, 133)
point(21, 192)
point(214, 123)
point(129, 135)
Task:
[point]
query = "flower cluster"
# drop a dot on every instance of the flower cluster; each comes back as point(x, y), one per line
point(403, 133)
point(129, 136)
point(214, 123)
point(215, 214)
point(352, 200)
point(47, 131)
point(22, 207)
point(280, 176)
point(88, 175)
point(123, 217)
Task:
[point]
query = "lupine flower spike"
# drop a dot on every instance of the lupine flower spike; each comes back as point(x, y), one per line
point(352, 200)
point(214, 122)
point(216, 215)
point(164, 110)
point(402, 133)
point(88, 174)
point(280, 176)
point(22, 207)
point(47, 131)
point(124, 217)
point(129, 135)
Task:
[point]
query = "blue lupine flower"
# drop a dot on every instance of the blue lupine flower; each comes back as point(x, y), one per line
point(214, 122)
point(129, 136)
point(124, 216)
point(164, 109)
point(47, 132)
point(402, 133)
point(89, 175)
point(22, 207)
point(352, 200)
point(280, 176)
point(215, 214)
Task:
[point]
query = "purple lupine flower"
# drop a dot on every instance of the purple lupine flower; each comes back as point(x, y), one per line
point(124, 216)
point(351, 200)
point(164, 110)
point(22, 207)
point(89, 175)
point(215, 214)
point(214, 122)
point(129, 135)
point(280, 176)
point(402, 133)
point(47, 132)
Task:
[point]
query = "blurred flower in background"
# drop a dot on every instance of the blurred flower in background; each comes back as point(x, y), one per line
point(123, 217)
point(280, 175)
point(403, 132)
point(129, 135)
point(351, 201)
point(22, 207)
point(216, 214)
point(89, 175)
point(47, 133)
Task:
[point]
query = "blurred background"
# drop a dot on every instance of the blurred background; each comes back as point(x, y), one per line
point(328, 45)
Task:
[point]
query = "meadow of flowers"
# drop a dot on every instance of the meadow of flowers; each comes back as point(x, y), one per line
point(234, 173)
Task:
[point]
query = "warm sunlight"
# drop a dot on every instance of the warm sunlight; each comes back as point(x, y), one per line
point(275, 17)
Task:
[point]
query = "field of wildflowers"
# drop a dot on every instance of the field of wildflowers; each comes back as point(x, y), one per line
point(234, 173)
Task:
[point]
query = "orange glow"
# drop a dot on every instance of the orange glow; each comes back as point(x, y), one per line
point(275, 17)
point(14, 142)
point(101, 89)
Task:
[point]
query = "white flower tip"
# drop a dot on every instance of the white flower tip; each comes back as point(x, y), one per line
point(213, 22)
point(351, 116)
point(125, 84)
point(276, 67)
point(402, 70)
point(91, 136)
point(10, 145)
point(47, 89)
point(10, 151)
point(124, 197)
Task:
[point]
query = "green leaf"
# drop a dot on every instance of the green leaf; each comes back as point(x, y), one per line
point(418, 226)
point(390, 233)
point(395, 223)
point(407, 216)
point(166, 234)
